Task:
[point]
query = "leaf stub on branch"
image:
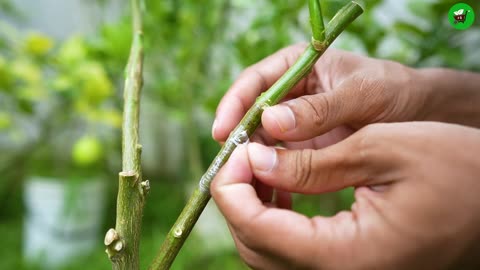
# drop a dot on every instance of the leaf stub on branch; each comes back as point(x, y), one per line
point(110, 236)
point(113, 243)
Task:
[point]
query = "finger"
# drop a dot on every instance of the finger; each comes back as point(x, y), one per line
point(361, 159)
point(282, 234)
point(312, 115)
point(261, 136)
point(332, 137)
point(253, 259)
point(251, 82)
point(259, 227)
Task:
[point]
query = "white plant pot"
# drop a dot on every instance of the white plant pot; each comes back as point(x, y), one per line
point(63, 219)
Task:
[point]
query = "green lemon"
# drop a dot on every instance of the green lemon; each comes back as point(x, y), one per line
point(72, 51)
point(461, 16)
point(38, 44)
point(95, 85)
point(86, 151)
point(111, 117)
point(26, 70)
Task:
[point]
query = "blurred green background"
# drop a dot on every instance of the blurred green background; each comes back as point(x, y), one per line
point(61, 77)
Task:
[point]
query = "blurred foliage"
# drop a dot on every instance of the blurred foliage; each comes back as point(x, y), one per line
point(55, 96)
point(60, 99)
point(7, 8)
point(418, 35)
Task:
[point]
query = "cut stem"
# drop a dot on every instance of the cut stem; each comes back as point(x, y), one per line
point(123, 241)
point(247, 126)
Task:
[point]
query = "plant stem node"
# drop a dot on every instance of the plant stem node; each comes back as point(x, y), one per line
point(177, 233)
point(319, 45)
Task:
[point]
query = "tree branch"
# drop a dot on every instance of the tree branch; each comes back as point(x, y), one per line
point(200, 197)
point(123, 241)
point(316, 21)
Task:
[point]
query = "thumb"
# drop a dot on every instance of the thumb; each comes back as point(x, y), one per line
point(313, 171)
point(268, 230)
point(312, 115)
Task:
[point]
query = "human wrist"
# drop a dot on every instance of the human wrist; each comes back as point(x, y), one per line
point(451, 96)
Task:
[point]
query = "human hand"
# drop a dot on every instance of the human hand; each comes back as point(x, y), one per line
point(343, 92)
point(416, 201)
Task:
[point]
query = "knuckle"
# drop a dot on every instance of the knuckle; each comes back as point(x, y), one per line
point(319, 107)
point(252, 73)
point(245, 74)
point(372, 91)
point(367, 136)
point(369, 139)
point(295, 50)
point(379, 96)
point(303, 168)
point(369, 131)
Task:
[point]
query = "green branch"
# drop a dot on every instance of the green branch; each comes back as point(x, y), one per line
point(200, 197)
point(316, 20)
point(123, 241)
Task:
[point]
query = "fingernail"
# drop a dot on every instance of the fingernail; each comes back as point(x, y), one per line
point(213, 128)
point(284, 117)
point(261, 157)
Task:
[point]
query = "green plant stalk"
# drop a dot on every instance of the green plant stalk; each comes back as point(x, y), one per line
point(316, 20)
point(201, 195)
point(123, 241)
